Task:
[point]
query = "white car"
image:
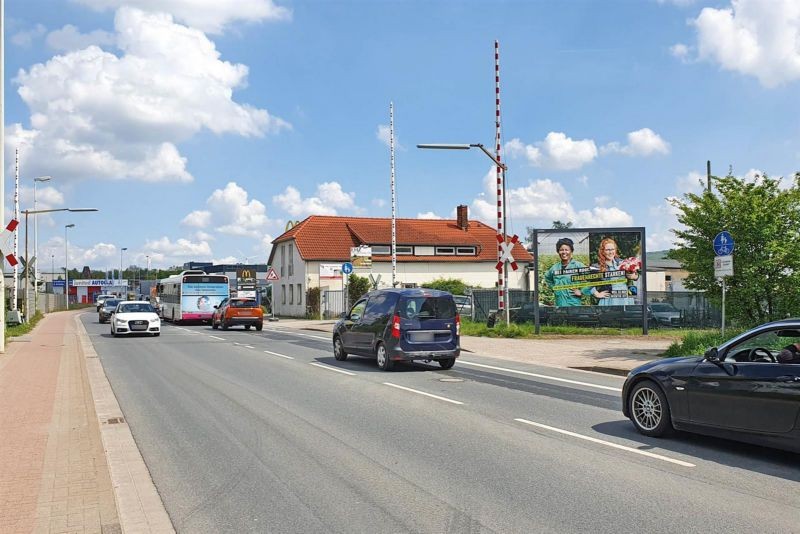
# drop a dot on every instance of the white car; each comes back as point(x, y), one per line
point(135, 317)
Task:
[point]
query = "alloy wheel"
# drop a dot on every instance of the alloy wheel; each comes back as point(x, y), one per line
point(647, 409)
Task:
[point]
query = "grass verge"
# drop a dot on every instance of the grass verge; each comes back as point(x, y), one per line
point(526, 330)
point(24, 328)
point(695, 343)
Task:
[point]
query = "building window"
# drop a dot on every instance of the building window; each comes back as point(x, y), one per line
point(465, 251)
point(299, 293)
point(283, 261)
point(291, 259)
point(283, 293)
point(291, 294)
point(445, 251)
point(381, 249)
point(404, 249)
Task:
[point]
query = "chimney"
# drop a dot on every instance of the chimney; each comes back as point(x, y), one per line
point(462, 219)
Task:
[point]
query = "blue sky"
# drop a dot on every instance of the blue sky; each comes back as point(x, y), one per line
point(200, 127)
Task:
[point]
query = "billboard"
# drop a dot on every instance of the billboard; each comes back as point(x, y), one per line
point(198, 299)
point(361, 257)
point(330, 271)
point(590, 267)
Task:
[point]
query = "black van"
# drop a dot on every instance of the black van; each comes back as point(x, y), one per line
point(401, 325)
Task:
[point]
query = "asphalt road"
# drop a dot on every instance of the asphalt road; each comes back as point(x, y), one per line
point(266, 432)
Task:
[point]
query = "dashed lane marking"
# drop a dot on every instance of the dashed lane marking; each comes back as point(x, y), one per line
point(607, 443)
point(546, 377)
point(329, 368)
point(279, 355)
point(418, 392)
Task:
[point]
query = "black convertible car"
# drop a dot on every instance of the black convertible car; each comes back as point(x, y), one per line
point(738, 390)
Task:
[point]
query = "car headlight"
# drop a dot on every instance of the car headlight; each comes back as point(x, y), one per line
point(120, 321)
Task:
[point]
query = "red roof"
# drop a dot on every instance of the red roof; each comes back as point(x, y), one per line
point(329, 238)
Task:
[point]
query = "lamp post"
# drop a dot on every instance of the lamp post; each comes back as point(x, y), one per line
point(123, 249)
point(500, 165)
point(66, 262)
point(27, 257)
point(36, 244)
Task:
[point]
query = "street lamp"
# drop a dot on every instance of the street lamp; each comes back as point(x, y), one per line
point(502, 165)
point(27, 257)
point(66, 262)
point(36, 244)
point(123, 249)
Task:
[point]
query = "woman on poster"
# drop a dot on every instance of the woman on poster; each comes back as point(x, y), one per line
point(618, 293)
point(556, 276)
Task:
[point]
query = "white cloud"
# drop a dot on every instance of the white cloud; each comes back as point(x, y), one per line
point(644, 142)
point(427, 215)
point(583, 180)
point(545, 201)
point(181, 248)
point(235, 213)
point(694, 182)
point(383, 134)
point(331, 193)
point(25, 38)
point(330, 198)
point(753, 37)
point(97, 115)
point(100, 251)
point(70, 38)
point(557, 151)
point(203, 236)
point(197, 219)
point(211, 16)
point(680, 51)
point(378, 202)
point(602, 200)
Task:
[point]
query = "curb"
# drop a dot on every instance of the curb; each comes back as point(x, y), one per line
point(139, 505)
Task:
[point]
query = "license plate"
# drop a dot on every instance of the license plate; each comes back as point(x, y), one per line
point(422, 337)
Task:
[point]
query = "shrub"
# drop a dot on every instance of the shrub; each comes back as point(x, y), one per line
point(451, 285)
point(312, 302)
point(357, 286)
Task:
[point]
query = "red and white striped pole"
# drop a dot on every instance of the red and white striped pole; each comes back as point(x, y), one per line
point(502, 273)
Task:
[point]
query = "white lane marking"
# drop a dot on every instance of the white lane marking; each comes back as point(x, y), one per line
point(245, 345)
point(279, 355)
point(607, 443)
point(329, 368)
point(215, 337)
point(547, 377)
point(295, 333)
point(422, 393)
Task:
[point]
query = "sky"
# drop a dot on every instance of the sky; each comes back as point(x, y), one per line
point(200, 128)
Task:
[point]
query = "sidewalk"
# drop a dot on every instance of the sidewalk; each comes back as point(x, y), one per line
point(606, 354)
point(54, 449)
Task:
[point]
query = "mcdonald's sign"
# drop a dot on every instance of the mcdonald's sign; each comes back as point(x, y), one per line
point(245, 277)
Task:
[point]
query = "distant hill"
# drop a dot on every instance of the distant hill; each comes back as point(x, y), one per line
point(657, 255)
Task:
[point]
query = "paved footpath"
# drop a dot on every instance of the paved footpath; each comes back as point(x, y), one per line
point(55, 452)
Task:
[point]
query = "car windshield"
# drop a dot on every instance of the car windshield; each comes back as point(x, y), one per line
point(427, 308)
point(135, 307)
point(243, 304)
point(110, 303)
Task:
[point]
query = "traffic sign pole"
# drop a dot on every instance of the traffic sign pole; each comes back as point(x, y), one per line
point(723, 264)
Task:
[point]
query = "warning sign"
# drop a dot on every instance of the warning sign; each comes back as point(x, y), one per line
point(272, 276)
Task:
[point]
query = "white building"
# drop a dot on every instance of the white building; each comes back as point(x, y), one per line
point(306, 255)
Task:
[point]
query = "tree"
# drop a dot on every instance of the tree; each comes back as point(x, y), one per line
point(357, 286)
point(764, 219)
point(452, 285)
point(557, 225)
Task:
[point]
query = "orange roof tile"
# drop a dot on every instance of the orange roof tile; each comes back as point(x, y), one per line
point(329, 238)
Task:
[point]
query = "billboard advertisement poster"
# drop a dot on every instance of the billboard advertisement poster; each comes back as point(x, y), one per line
point(361, 257)
point(198, 300)
point(330, 271)
point(590, 267)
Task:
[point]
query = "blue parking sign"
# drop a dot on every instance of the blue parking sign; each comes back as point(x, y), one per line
point(723, 244)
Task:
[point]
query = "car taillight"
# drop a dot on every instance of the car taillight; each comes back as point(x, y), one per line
point(458, 325)
point(396, 327)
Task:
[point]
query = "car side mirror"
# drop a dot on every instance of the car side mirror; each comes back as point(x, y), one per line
point(355, 317)
point(215, 307)
point(712, 355)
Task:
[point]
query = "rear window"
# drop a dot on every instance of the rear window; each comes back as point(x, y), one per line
point(110, 303)
point(243, 304)
point(427, 308)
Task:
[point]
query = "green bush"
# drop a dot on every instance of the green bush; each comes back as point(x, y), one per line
point(696, 343)
point(24, 328)
point(312, 303)
point(357, 286)
point(451, 285)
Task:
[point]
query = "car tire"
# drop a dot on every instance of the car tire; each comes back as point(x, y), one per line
point(157, 334)
point(649, 409)
point(224, 325)
point(338, 349)
point(260, 327)
point(447, 363)
point(214, 325)
point(382, 357)
point(247, 327)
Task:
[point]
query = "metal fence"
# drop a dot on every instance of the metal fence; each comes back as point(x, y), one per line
point(692, 309)
point(332, 304)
